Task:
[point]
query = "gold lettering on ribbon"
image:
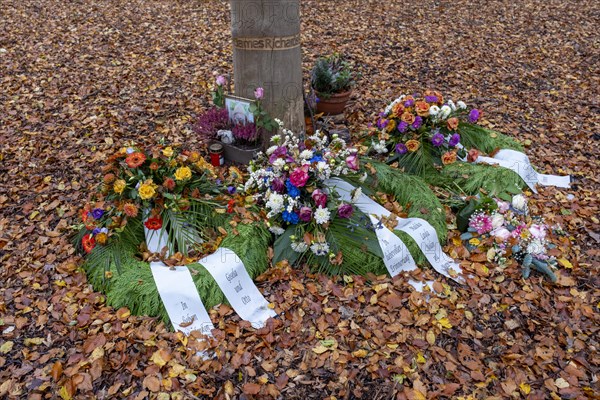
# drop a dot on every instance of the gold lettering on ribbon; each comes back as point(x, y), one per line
point(267, 43)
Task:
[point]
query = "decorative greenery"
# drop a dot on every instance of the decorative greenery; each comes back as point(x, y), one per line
point(331, 74)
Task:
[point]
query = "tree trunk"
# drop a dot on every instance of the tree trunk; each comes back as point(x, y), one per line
point(266, 53)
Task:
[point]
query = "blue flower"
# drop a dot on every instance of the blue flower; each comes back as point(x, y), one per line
point(290, 217)
point(97, 213)
point(316, 158)
point(231, 189)
point(292, 190)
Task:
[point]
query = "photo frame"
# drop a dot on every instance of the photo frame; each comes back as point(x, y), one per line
point(238, 109)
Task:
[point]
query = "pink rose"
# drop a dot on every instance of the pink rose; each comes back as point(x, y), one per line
point(352, 162)
point(221, 80)
point(259, 93)
point(305, 214)
point(501, 233)
point(299, 177)
point(538, 231)
point(319, 198)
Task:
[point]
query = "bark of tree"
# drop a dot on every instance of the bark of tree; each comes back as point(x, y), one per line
point(266, 53)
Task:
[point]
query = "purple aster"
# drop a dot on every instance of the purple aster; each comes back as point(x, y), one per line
point(409, 103)
point(382, 123)
point(231, 189)
point(474, 115)
point(96, 231)
point(437, 140)
point(402, 126)
point(278, 186)
point(418, 122)
point(431, 99)
point(97, 213)
point(401, 148)
point(454, 140)
point(279, 152)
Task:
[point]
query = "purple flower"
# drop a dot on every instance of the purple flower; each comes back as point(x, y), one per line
point(245, 132)
point(401, 148)
point(259, 93)
point(306, 214)
point(454, 140)
point(431, 99)
point(474, 115)
point(418, 122)
point(409, 103)
point(352, 162)
point(211, 121)
point(96, 231)
point(231, 189)
point(221, 80)
point(437, 140)
point(280, 152)
point(345, 210)
point(402, 126)
point(382, 123)
point(97, 213)
point(278, 186)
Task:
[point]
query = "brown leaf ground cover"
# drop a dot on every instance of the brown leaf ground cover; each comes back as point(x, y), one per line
point(77, 77)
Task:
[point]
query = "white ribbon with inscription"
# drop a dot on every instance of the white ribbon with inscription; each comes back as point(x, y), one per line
point(519, 162)
point(419, 229)
point(230, 274)
point(181, 299)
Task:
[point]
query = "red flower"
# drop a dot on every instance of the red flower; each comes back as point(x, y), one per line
point(230, 205)
point(154, 223)
point(169, 183)
point(88, 242)
point(135, 160)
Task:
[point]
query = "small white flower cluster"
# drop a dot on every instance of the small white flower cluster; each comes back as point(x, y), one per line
point(380, 147)
point(320, 248)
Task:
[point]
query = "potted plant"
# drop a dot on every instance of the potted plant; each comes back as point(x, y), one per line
point(332, 80)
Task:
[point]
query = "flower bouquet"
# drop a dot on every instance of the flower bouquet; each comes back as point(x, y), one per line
point(507, 233)
point(312, 224)
point(164, 192)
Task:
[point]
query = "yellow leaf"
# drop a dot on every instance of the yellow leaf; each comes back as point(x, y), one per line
point(33, 341)
point(320, 349)
point(418, 395)
point(64, 393)
point(360, 353)
point(444, 323)
point(430, 337)
point(176, 370)
point(97, 354)
point(420, 359)
point(60, 283)
point(6, 347)
point(158, 358)
point(565, 263)
point(525, 388)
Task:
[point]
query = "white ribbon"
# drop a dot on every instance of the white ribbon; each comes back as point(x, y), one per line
point(519, 162)
point(230, 274)
point(419, 229)
point(181, 299)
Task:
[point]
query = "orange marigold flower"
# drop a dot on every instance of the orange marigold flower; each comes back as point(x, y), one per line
point(131, 210)
point(449, 158)
point(135, 160)
point(413, 145)
point(101, 238)
point(154, 223)
point(452, 123)
point(422, 108)
point(408, 117)
point(88, 242)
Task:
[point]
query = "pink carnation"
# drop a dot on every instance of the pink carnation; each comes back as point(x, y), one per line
point(352, 162)
point(299, 177)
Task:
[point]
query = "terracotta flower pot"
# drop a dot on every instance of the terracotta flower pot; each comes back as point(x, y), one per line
point(333, 104)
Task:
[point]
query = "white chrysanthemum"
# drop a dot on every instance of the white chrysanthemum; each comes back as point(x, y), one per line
point(271, 150)
point(306, 154)
point(434, 110)
point(356, 195)
point(536, 247)
point(461, 105)
point(320, 249)
point(275, 203)
point(278, 164)
point(445, 112)
point(322, 215)
point(299, 247)
point(380, 147)
point(452, 105)
point(277, 230)
point(519, 203)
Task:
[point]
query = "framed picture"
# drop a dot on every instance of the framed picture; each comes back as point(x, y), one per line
point(238, 109)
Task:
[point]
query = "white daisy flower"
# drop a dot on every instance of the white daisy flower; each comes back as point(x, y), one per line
point(322, 215)
point(320, 249)
point(306, 154)
point(275, 203)
point(461, 105)
point(434, 110)
point(445, 112)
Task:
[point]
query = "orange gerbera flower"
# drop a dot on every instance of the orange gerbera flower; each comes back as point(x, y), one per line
point(135, 160)
point(449, 158)
point(88, 242)
point(154, 223)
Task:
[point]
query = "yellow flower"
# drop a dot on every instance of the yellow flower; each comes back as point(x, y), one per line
point(168, 152)
point(391, 126)
point(119, 186)
point(147, 190)
point(474, 242)
point(183, 173)
point(101, 238)
point(412, 145)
